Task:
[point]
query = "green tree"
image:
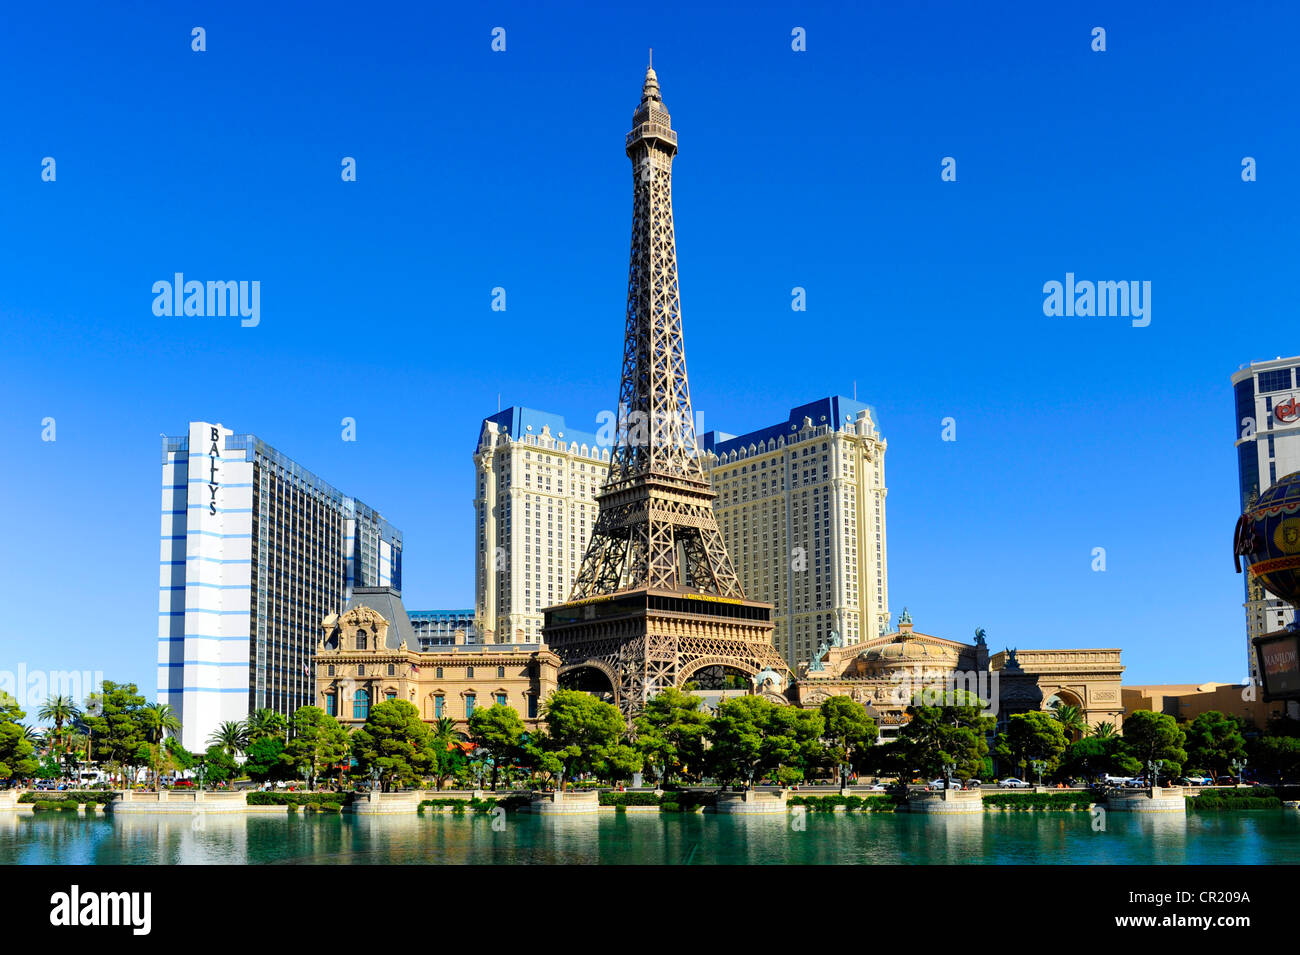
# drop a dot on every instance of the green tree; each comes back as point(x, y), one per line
point(579, 728)
point(849, 734)
point(157, 720)
point(319, 740)
point(498, 730)
point(1071, 719)
point(751, 737)
point(449, 760)
point(1215, 740)
point(670, 734)
point(231, 736)
point(1034, 736)
point(616, 762)
point(266, 724)
point(792, 743)
point(117, 728)
point(1155, 737)
point(217, 764)
point(58, 710)
point(1091, 756)
point(1279, 755)
point(265, 760)
point(395, 741)
point(1104, 730)
point(938, 736)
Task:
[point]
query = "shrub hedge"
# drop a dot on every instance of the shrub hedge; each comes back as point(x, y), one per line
point(1050, 800)
point(260, 798)
point(1221, 800)
point(850, 803)
point(75, 796)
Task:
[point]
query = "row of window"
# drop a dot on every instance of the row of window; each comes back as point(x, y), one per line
point(392, 671)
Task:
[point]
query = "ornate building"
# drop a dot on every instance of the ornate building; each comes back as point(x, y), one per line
point(656, 598)
point(370, 653)
point(802, 509)
point(885, 672)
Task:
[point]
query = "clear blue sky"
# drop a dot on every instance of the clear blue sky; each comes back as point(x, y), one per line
point(817, 169)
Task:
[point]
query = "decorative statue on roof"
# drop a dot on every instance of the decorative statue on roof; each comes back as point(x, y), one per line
point(979, 636)
point(884, 625)
point(905, 618)
point(817, 666)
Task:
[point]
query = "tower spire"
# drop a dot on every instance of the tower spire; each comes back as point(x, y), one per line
point(669, 598)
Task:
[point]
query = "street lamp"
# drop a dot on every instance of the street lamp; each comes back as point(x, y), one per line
point(1038, 766)
point(1153, 772)
point(948, 770)
point(1238, 767)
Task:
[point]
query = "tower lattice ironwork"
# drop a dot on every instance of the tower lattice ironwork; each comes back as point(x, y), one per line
point(657, 598)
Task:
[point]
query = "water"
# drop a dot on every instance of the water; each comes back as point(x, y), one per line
point(1260, 837)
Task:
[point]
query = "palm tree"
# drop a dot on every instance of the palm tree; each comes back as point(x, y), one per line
point(267, 722)
point(232, 736)
point(58, 710)
point(1104, 730)
point(1071, 719)
point(159, 719)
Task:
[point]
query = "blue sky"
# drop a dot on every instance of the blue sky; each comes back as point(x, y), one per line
point(818, 169)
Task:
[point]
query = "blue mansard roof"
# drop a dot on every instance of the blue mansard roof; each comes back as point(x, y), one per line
point(835, 412)
point(519, 422)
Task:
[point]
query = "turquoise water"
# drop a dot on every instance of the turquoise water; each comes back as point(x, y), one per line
point(1259, 837)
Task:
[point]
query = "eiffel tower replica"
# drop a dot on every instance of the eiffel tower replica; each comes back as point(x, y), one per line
point(657, 599)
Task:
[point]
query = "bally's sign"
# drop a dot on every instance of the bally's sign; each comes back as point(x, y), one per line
point(214, 455)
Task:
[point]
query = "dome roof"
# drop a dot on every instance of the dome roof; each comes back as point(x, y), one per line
point(908, 651)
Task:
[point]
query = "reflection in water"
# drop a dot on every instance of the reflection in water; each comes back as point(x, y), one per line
point(647, 838)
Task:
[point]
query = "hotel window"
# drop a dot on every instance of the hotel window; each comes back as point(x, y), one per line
point(390, 695)
point(331, 670)
point(501, 699)
point(361, 705)
point(392, 669)
point(532, 706)
point(361, 640)
point(469, 705)
point(501, 672)
point(361, 669)
point(469, 673)
point(437, 706)
point(438, 672)
point(1275, 380)
point(330, 704)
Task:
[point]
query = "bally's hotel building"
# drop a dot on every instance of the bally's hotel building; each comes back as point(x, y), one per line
point(256, 551)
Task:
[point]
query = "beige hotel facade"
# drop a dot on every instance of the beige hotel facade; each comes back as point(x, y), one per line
point(801, 505)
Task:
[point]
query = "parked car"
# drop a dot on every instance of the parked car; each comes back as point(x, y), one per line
point(1135, 783)
point(873, 788)
point(1226, 781)
point(938, 784)
point(1012, 783)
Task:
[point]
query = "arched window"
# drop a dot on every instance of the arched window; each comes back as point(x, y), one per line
point(469, 673)
point(501, 672)
point(438, 702)
point(392, 669)
point(361, 669)
point(361, 705)
point(362, 640)
point(438, 672)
